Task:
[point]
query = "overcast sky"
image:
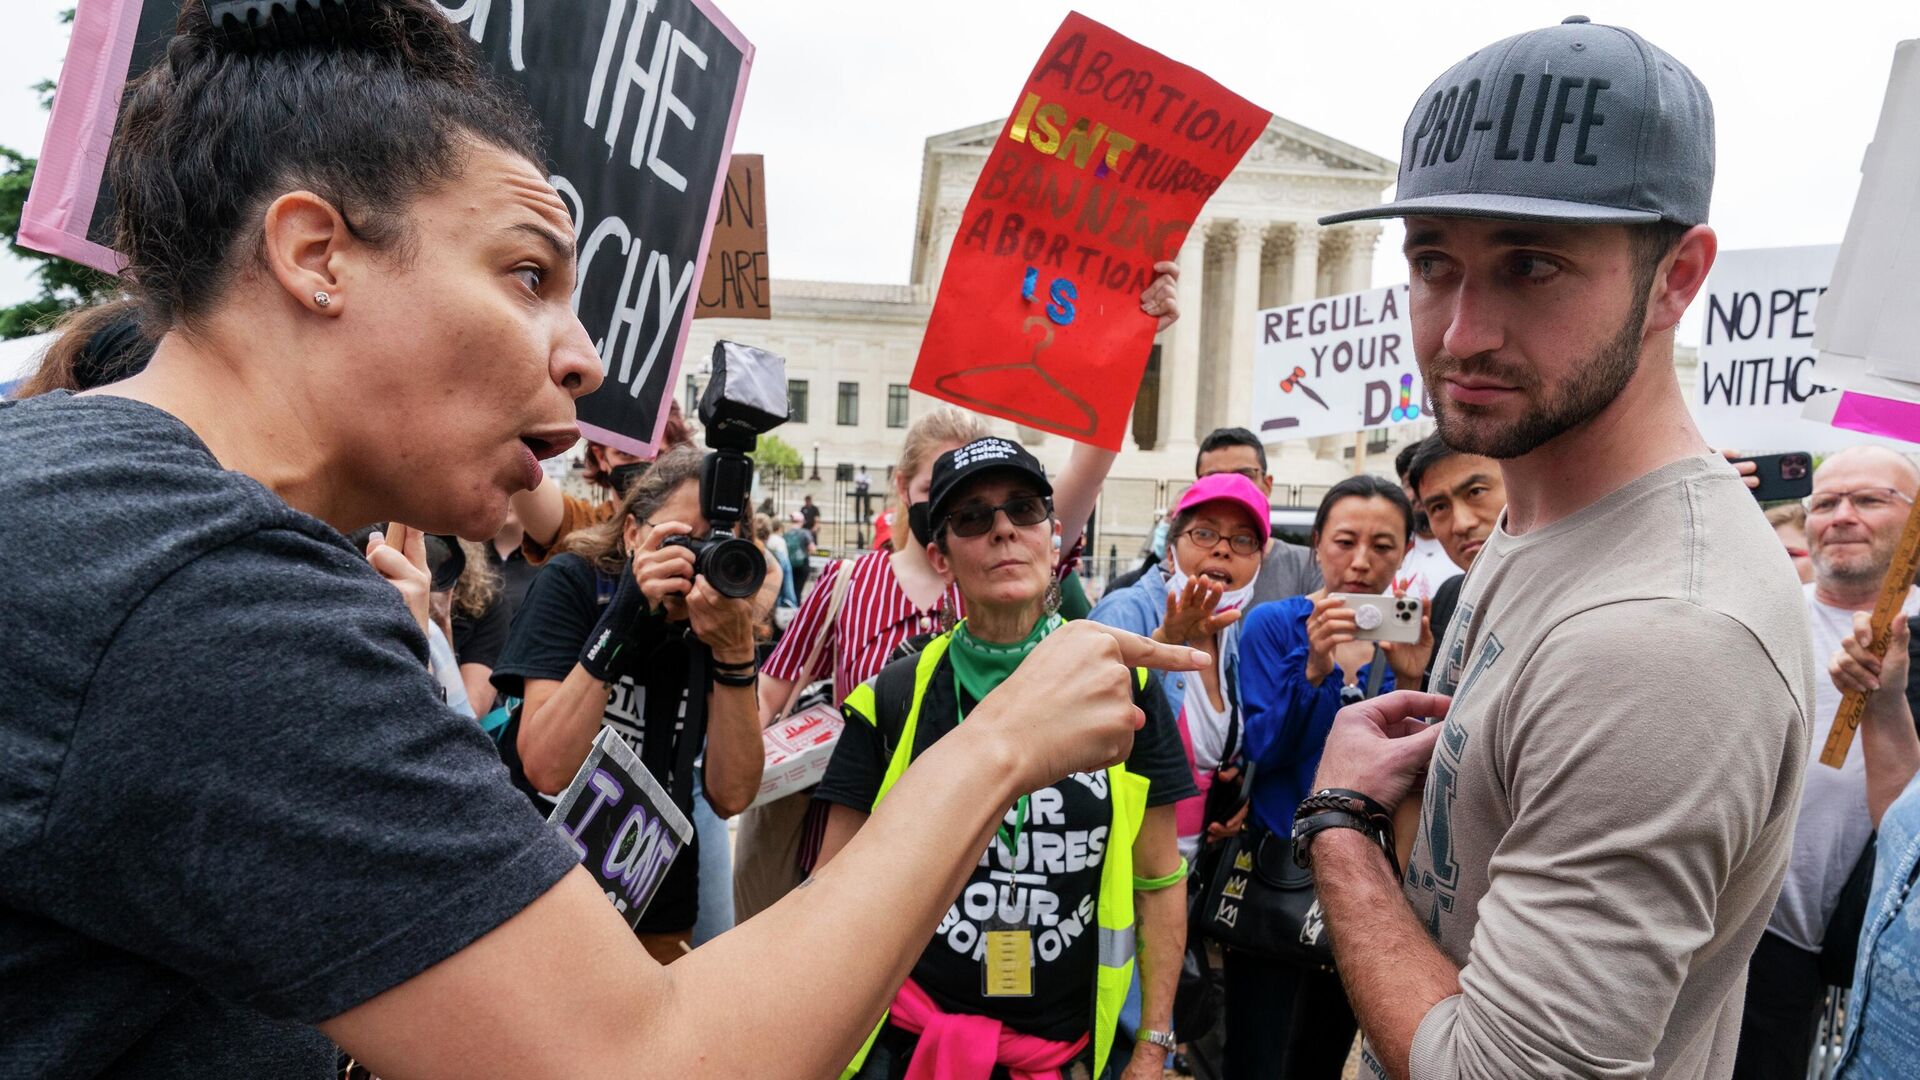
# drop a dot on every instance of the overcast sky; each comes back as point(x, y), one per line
point(844, 95)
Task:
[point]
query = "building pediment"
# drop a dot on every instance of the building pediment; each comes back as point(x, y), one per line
point(1284, 145)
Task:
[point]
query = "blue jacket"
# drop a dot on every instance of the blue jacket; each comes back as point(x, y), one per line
point(1883, 1014)
point(1140, 608)
point(1287, 718)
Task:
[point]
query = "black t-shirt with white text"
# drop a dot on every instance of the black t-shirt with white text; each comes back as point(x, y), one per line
point(232, 802)
point(559, 612)
point(1051, 879)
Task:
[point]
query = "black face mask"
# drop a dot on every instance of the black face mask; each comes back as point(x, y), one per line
point(623, 476)
point(918, 522)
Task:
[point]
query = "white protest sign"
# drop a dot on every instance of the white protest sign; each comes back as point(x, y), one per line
point(1758, 364)
point(1336, 365)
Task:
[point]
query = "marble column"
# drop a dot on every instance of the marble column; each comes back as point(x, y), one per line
point(1236, 403)
point(1180, 364)
point(946, 227)
point(1358, 265)
point(1306, 262)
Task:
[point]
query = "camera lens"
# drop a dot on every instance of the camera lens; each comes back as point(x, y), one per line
point(1794, 467)
point(734, 566)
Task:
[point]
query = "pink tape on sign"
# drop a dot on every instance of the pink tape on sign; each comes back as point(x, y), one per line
point(1871, 415)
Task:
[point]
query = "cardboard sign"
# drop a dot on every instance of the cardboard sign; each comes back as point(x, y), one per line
point(626, 829)
point(1758, 364)
point(798, 749)
point(1336, 365)
point(638, 99)
point(736, 284)
point(1109, 154)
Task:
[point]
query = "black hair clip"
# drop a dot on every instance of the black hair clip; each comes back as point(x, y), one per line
point(261, 26)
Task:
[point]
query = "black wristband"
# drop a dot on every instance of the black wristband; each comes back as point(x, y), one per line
point(609, 653)
point(744, 665)
point(751, 678)
point(1305, 828)
point(1343, 799)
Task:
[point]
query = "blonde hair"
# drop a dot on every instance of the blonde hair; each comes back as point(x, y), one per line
point(1788, 514)
point(929, 435)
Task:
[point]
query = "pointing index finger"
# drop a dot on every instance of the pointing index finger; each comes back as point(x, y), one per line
point(1137, 651)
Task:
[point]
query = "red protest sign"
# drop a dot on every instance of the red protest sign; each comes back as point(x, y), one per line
point(1105, 162)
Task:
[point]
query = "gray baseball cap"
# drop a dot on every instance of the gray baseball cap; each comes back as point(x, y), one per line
point(1576, 123)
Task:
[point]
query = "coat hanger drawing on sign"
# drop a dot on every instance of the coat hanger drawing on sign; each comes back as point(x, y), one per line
point(953, 384)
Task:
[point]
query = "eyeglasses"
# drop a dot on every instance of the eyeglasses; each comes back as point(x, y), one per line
point(976, 519)
point(1242, 543)
point(1864, 500)
point(1251, 472)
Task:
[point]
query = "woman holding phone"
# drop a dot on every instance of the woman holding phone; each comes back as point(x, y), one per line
point(1300, 659)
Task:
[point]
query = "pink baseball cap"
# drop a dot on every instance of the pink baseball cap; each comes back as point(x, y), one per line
point(1229, 487)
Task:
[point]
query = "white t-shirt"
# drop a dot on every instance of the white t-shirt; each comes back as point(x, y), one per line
point(1424, 568)
point(1832, 828)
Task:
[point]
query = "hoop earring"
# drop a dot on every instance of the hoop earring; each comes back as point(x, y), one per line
point(322, 299)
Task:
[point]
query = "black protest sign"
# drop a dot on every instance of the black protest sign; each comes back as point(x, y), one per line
point(638, 99)
point(625, 828)
point(735, 285)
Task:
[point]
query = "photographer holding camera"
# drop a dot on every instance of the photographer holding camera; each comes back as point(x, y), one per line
point(610, 635)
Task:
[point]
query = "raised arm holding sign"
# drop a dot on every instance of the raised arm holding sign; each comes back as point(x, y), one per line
point(1098, 176)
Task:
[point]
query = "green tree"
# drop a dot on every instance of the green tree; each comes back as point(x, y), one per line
point(64, 285)
point(775, 457)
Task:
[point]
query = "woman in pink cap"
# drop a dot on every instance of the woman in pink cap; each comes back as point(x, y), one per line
point(1218, 534)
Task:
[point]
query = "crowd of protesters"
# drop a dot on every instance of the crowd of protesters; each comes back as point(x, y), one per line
point(278, 763)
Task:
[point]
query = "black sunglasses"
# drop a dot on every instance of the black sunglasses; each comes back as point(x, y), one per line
point(976, 519)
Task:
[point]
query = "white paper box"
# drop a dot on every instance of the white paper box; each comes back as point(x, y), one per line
point(798, 749)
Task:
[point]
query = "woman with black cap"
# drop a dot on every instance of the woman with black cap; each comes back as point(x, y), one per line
point(1031, 965)
point(239, 826)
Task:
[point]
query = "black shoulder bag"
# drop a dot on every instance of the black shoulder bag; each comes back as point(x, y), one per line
point(1258, 901)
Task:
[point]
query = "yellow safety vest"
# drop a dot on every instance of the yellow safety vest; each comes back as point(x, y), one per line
point(1113, 905)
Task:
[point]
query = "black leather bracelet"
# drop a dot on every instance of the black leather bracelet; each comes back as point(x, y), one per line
point(1343, 799)
point(744, 665)
point(1305, 828)
point(749, 678)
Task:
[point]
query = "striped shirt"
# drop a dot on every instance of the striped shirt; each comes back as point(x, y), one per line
point(876, 616)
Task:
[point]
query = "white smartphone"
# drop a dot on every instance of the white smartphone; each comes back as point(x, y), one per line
point(1383, 618)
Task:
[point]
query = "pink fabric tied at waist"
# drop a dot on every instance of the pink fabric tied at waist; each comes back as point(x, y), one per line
point(961, 1046)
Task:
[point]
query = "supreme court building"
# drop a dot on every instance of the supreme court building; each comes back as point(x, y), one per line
point(850, 347)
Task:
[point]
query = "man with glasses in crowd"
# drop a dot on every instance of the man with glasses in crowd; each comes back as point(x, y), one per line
point(1286, 569)
point(1859, 505)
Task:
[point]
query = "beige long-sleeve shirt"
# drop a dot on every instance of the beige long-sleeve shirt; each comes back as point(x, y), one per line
point(1609, 811)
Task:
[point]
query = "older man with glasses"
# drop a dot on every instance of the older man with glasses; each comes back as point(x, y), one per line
point(1860, 501)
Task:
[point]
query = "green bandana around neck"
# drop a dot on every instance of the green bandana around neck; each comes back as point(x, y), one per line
point(980, 666)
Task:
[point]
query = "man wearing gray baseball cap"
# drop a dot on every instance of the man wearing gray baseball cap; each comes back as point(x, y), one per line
point(1609, 802)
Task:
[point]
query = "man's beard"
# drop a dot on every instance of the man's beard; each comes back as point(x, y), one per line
point(1870, 568)
point(1592, 387)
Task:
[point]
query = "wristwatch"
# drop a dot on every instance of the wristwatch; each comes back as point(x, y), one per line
point(1162, 1039)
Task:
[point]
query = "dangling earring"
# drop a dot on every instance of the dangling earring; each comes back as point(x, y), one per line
point(322, 299)
point(1052, 600)
point(946, 619)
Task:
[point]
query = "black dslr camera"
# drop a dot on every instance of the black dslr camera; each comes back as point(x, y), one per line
point(745, 398)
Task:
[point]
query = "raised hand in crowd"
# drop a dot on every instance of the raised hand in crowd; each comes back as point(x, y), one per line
point(1890, 745)
point(1330, 625)
point(400, 555)
point(1749, 471)
point(1409, 661)
point(1191, 615)
point(1161, 298)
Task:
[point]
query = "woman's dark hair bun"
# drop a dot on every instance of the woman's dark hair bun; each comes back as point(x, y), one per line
point(366, 103)
point(258, 26)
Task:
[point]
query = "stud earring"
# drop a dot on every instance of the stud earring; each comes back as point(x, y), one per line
point(322, 299)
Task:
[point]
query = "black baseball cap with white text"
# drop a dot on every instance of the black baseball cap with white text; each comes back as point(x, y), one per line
point(954, 469)
point(1576, 123)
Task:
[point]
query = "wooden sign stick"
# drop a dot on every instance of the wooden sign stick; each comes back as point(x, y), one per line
point(1893, 597)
